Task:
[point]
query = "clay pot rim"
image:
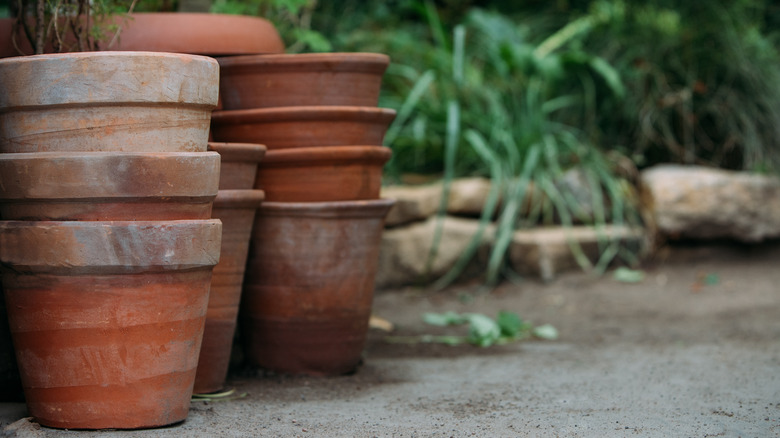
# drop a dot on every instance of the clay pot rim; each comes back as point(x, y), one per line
point(27, 59)
point(370, 208)
point(48, 155)
point(238, 152)
point(319, 155)
point(304, 113)
point(240, 198)
point(60, 255)
point(359, 62)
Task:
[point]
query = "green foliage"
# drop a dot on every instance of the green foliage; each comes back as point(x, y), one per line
point(484, 331)
point(292, 19)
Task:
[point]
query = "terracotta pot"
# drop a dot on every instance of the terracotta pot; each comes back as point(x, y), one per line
point(239, 164)
point(195, 33)
point(318, 174)
point(236, 209)
point(310, 284)
point(107, 101)
point(107, 317)
point(303, 126)
point(108, 185)
point(263, 81)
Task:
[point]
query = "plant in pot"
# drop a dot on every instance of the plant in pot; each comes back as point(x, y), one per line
point(112, 122)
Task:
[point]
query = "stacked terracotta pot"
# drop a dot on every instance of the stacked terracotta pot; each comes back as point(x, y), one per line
point(106, 239)
point(310, 275)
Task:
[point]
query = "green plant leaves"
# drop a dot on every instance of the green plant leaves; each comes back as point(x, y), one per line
point(484, 331)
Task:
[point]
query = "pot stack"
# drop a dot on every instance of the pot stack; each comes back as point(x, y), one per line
point(106, 239)
point(310, 275)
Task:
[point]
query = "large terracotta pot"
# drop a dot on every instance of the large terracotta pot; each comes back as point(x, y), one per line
point(236, 209)
point(107, 317)
point(262, 81)
point(303, 126)
point(239, 164)
point(310, 284)
point(107, 101)
point(108, 185)
point(318, 174)
point(195, 33)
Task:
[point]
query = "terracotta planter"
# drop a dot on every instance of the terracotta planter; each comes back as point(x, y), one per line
point(107, 317)
point(236, 209)
point(107, 101)
point(310, 284)
point(263, 81)
point(91, 186)
point(239, 164)
point(318, 174)
point(303, 126)
point(195, 33)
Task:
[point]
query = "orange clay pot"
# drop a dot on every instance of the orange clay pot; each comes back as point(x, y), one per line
point(107, 317)
point(317, 174)
point(239, 164)
point(235, 206)
point(310, 284)
point(236, 209)
point(263, 81)
point(107, 101)
point(303, 126)
point(100, 186)
point(195, 33)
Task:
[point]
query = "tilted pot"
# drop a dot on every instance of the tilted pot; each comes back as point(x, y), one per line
point(303, 126)
point(263, 81)
point(107, 101)
point(320, 174)
point(238, 164)
point(108, 185)
point(107, 317)
point(310, 283)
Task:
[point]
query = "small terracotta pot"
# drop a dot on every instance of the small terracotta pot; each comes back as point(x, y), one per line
point(107, 101)
point(303, 126)
point(239, 164)
point(310, 284)
point(107, 317)
point(319, 174)
point(196, 33)
point(101, 186)
point(263, 81)
point(236, 209)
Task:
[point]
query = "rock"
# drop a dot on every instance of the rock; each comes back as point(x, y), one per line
point(546, 251)
point(403, 257)
point(413, 203)
point(467, 196)
point(692, 202)
point(23, 428)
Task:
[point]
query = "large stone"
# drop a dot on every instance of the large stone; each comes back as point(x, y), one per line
point(546, 251)
point(691, 202)
point(413, 203)
point(467, 196)
point(403, 257)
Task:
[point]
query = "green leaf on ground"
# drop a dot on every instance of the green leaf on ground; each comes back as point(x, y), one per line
point(626, 275)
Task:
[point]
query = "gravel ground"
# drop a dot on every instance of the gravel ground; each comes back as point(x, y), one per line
point(691, 351)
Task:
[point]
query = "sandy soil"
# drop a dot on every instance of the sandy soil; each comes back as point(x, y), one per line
point(693, 350)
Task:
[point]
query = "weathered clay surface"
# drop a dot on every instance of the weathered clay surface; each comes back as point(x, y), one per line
point(322, 174)
point(107, 317)
point(107, 101)
point(309, 285)
point(547, 251)
point(303, 126)
point(702, 203)
point(236, 209)
point(239, 164)
point(405, 252)
point(108, 186)
point(263, 81)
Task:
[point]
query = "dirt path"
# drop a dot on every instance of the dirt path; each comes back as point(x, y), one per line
point(693, 350)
